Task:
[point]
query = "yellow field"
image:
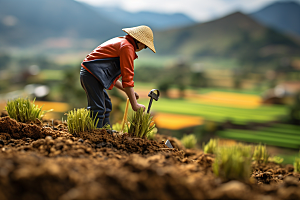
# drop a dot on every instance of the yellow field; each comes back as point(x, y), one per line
point(213, 98)
point(175, 122)
point(229, 99)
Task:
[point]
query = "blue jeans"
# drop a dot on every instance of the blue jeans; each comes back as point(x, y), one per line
point(98, 100)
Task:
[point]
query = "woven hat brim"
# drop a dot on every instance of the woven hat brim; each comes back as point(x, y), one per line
point(139, 37)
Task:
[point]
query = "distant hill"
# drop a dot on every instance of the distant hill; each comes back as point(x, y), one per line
point(157, 21)
point(234, 36)
point(24, 23)
point(283, 16)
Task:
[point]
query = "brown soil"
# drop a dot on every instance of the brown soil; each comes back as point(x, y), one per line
point(46, 162)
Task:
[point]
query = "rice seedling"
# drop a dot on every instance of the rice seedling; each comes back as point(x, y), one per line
point(140, 124)
point(151, 134)
point(81, 120)
point(260, 154)
point(23, 110)
point(233, 162)
point(189, 141)
point(297, 164)
point(211, 146)
point(118, 127)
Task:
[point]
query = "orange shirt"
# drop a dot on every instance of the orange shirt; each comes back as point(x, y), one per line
point(122, 47)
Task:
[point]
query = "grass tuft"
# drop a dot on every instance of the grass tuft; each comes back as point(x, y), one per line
point(80, 120)
point(211, 146)
point(151, 134)
point(297, 164)
point(260, 154)
point(140, 124)
point(189, 141)
point(276, 159)
point(233, 162)
point(23, 110)
point(118, 127)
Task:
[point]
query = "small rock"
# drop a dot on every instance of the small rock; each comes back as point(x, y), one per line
point(102, 144)
point(38, 143)
point(280, 176)
point(69, 142)
point(1, 142)
point(48, 138)
point(80, 140)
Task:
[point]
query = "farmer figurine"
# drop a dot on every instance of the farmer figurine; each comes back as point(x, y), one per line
point(113, 59)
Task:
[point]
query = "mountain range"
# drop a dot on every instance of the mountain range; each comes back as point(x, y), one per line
point(235, 36)
point(157, 21)
point(24, 24)
point(283, 16)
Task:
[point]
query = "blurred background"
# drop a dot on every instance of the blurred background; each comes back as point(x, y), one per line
point(225, 68)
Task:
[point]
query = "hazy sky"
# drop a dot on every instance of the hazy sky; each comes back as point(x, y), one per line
point(200, 10)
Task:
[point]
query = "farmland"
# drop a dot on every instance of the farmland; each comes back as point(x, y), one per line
point(219, 107)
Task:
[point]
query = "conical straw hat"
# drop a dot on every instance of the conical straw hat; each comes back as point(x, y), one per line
point(142, 34)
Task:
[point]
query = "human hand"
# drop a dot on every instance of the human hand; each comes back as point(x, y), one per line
point(137, 106)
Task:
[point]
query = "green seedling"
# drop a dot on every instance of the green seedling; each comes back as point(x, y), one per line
point(118, 127)
point(23, 110)
point(80, 120)
point(152, 134)
point(276, 159)
point(189, 141)
point(260, 154)
point(297, 164)
point(140, 124)
point(211, 146)
point(233, 162)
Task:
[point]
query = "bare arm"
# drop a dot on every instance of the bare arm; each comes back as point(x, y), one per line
point(131, 94)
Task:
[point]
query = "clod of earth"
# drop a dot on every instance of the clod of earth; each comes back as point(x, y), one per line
point(38, 162)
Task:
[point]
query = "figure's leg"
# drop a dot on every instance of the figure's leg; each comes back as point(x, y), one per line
point(95, 95)
point(108, 107)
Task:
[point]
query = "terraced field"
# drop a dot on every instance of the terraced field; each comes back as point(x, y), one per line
point(280, 135)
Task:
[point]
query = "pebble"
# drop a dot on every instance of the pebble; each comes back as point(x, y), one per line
point(48, 138)
point(102, 144)
point(80, 140)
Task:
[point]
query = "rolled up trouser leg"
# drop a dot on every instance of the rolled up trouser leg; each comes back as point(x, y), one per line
point(98, 100)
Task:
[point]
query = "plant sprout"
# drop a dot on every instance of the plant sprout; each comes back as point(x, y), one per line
point(275, 159)
point(118, 127)
point(151, 134)
point(297, 164)
point(260, 154)
point(211, 146)
point(140, 124)
point(23, 110)
point(189, 141)
point(80, 120)
point(233, 162)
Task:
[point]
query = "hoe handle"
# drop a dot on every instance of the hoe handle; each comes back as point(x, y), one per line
point(149, 106)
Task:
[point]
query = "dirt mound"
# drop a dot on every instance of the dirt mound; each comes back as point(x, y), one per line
point(19, 130)
point(47, 162)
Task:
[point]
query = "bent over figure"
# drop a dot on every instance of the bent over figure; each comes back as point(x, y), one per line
point(102, 68)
